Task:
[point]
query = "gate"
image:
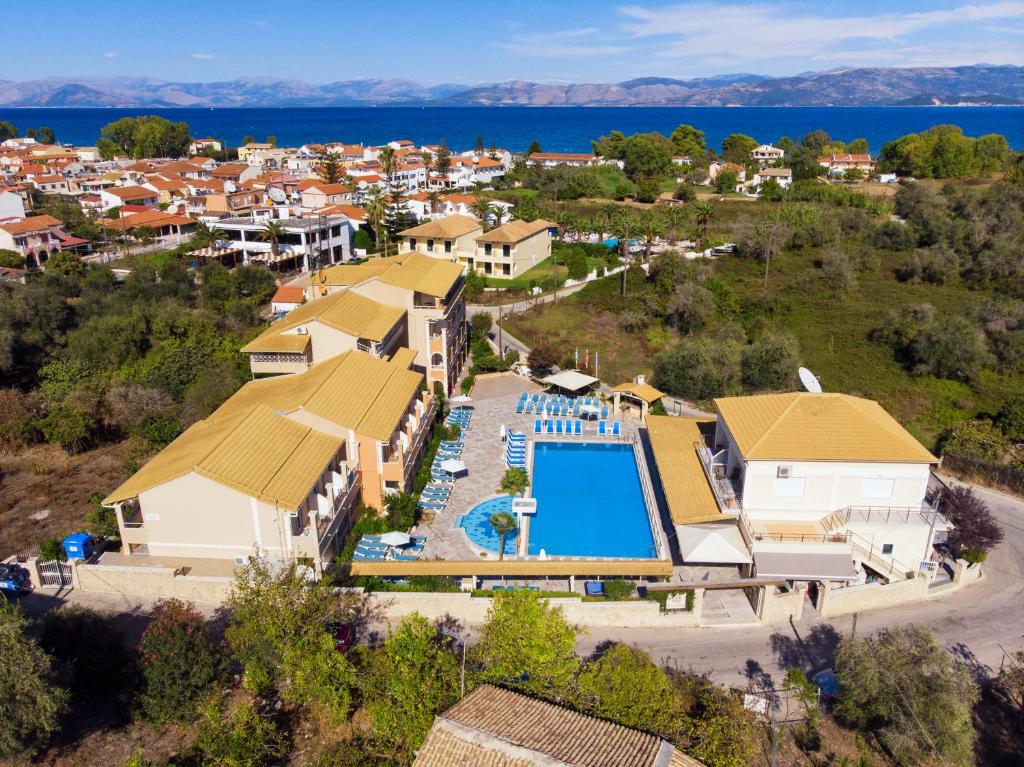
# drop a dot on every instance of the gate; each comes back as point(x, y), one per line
point(55, 573)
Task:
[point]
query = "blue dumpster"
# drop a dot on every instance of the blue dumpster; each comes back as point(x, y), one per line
point(78, 546)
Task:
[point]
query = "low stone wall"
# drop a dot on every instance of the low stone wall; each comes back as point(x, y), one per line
point(473, 610)
point(852, 599)
point(161, 582)
point(778, 607)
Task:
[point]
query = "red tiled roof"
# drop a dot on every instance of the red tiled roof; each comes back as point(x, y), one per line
point(288, 294)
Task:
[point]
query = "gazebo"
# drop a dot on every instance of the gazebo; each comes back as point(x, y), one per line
point(639, 392)
point(571, 381)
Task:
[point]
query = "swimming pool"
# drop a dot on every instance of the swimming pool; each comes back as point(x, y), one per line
point(477, 524)
point(589, 501)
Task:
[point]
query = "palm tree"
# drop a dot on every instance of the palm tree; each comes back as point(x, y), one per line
point(207, 235)
point(482, 208)
point(272, 232)
point(503, 524)
point(704, 211)
point(434, 198)
point(650, 225)
point(374, 203)
point(675, 219)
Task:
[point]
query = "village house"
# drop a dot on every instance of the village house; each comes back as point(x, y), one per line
point(280, 468)
point(782, 176)
point(305, 243)
point(12, 206)
point(36, 238)
point(511, 249)
point(200, 145)
point(837, 164)
point(116, 196)
point(766, 154)
point(452, 237)
point(806, 487)
point(51, 184)
point(552, 159)
point(321, 194)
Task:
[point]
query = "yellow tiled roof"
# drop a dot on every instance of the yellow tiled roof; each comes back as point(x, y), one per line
point(346, 311)
point(353, 274)
point(646, 392)
point(354, 390)
point(818, 427)
point(515, 231)
point(403, 357)
point(432, 276)
point(687, 493)
point(278, 342)
point(449, 226)
point(254, 451)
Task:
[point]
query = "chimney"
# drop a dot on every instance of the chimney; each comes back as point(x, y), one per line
point(641, 379)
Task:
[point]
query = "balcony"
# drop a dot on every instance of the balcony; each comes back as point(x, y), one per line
point(715, 465)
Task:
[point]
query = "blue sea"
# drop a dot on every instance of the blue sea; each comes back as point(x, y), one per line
point(558, 129)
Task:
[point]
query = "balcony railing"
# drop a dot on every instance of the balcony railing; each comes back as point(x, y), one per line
point(729, 501)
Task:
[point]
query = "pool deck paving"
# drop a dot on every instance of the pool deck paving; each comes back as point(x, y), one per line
point(494, 404)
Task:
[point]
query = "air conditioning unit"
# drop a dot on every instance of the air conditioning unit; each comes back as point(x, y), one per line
point(301, 331)
point(784, 472)
point(241, 561)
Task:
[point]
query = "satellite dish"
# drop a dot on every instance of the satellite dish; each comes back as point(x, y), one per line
point(277, 195)
point(810, 381)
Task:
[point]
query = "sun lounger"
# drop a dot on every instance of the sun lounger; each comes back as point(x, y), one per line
point(616, 428)
point(550, 427)
point(432, 505)
point(517, 440)
point(604, 412)
point(520, 406)
point(360, 557)
point(577, 428)
point(602, 428)
point(451, 443)
point(558, 427)
point(524, 395)
point(370, 553)
point(405, 557)
point(436, 495)
point(537, 425)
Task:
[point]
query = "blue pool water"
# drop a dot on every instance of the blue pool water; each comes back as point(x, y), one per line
point(589, 501)
point(478, 527)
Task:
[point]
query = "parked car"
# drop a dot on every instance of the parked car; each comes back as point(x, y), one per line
point(14, 579)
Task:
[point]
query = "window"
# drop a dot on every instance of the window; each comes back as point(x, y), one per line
point(790, 487)
point(430, 246)
point(506, 269)
point(447, 246)
point(887, 548)
point(506, 250)
point(487, 248)
point(877, 487)
point(412, 243)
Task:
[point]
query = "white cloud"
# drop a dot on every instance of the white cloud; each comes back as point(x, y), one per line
point(111, 55)
point(204, 56)
point(567, 43)
point(762, 33)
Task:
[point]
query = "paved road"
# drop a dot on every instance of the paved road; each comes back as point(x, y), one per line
point(978, 622)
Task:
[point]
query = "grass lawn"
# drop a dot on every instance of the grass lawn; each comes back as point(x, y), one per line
point(832, 331)
point(545, 270)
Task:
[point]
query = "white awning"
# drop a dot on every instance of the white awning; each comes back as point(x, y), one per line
point(805, 566)
point(570, 380)
point(712, 544)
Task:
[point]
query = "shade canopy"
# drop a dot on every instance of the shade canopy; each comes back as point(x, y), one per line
point(453, 466)
point(396, 538)
point(805, 565)
point(570, 380)
point(712, 544)
point(461, 399)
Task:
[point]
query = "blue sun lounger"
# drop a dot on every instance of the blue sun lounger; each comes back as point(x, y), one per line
point(602, 428)
point(558, 427)
point(537, 426)
point(550, 427)
point(520, 405)
point(616, 428)
point(604, 412)
point(577, 428)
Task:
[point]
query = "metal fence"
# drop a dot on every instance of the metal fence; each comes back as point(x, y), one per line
point(55, 573)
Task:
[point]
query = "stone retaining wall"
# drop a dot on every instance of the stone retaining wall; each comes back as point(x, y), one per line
point(150, 582)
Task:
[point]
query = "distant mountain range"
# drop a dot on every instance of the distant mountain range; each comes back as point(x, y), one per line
point(978, 84)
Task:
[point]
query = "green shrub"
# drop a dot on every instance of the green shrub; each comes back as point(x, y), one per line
point(244, 738)
point(100, 520)
point(52, 548)
point(618, 590)
point(179, 662)
point(468, 383)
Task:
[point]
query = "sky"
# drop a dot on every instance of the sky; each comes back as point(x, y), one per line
point(322, 41)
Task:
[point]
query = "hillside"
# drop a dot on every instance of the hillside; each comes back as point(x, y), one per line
point(978, 84)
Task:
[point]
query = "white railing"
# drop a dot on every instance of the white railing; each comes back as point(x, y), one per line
point(648, 493)
point(729, 501)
